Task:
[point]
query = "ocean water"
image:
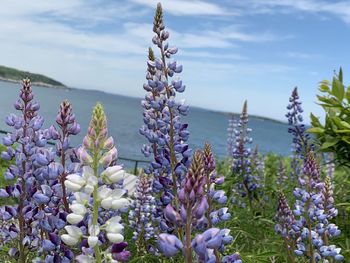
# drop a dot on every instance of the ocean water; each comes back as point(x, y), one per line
point(125, 118)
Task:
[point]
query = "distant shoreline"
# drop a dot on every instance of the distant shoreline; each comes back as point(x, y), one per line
point(39, 84)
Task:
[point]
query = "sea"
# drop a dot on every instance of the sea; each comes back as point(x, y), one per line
point(125, 118)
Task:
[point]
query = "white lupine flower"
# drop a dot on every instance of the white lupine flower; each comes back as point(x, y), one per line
point(85, 259)
point(107, 203)
point(94, 230)
point(78, 208)
point(115, 238)
point(73, 236)
point(120, 203)
point(113, 174)
point(103, 192)
point(69, 240)
point(74, 182)
point(74, 218)
point(92, 241)
point(82, 198)
point(113, 225)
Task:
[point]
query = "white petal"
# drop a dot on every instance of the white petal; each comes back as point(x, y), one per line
point(116, 177)
point(114, 228)
point(72, 186)
point(78, 209)
point(92, 241)
point(107, 203)
point(111, 170)
point(74, 218)
point(74, 231)
point(82, 198)
point(75, 178)
point(115, 238)
point(118, 193)
point(94, 230)
point(88, 171)
point(120, 203)
point(69, 240)
point(104, 192)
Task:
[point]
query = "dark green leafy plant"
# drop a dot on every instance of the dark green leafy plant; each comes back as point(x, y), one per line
point(334, 134)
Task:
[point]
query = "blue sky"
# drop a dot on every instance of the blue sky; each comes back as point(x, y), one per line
point(231, 50)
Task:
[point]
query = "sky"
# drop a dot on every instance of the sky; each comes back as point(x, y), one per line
point(231, 50)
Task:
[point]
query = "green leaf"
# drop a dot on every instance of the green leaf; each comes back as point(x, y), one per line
point(315, 121)
point(338, 89)
point(316, 130)
point(340, 75)
point(329, 143)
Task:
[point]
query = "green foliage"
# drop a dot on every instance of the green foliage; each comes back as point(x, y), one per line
point(334, 134)
point(18, 75)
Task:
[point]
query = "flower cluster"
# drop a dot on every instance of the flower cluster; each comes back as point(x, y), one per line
point(191, 217)
point(242, 166)
point(34, 222)
point(281, 175)
point(165, 132)
point(215, 197)
point(97, 198)
point(141, 213)
point(230, 134)
point(285, 225)
point(300, 143)
point(313, 210)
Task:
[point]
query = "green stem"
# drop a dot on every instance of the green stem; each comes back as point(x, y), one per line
point(95, 207)
point(188, 248)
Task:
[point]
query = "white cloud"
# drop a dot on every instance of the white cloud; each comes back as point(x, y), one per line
point(336, 8)
point(183, 7)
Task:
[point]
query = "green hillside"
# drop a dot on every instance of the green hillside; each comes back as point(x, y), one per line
point(17, 75)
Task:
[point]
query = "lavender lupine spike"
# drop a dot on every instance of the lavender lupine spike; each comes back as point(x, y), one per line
point(94, 218)
point(141, 213)
point(165, 132)
point(300, 143)
point(33, 223)
point(285, 225)
point(68, 126)
point(281, 175)
point(242, 166)
point(215, 215)
point(192, 216)
point(230, 134)
point(311, 210)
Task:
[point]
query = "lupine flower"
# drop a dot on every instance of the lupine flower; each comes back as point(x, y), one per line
point(96, 198)
point(314, 207)
point(285, 225)
point(68, 126)
point(242, 166)
point(300, 143)
point(230, 134)
point(192, 215)
point(165, 132)
point(141, 213)
point(281, 175)
point(37, 218)
point(215, 197)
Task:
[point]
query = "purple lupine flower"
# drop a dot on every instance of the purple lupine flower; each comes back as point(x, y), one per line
point(35, 172)
point(301, 140)
point(286, 225)
point(247, 183)
point(141, 213)
point(281, 175)
point(163, 129)
point(313, 208)
point(98, 198)
point(230, 134)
